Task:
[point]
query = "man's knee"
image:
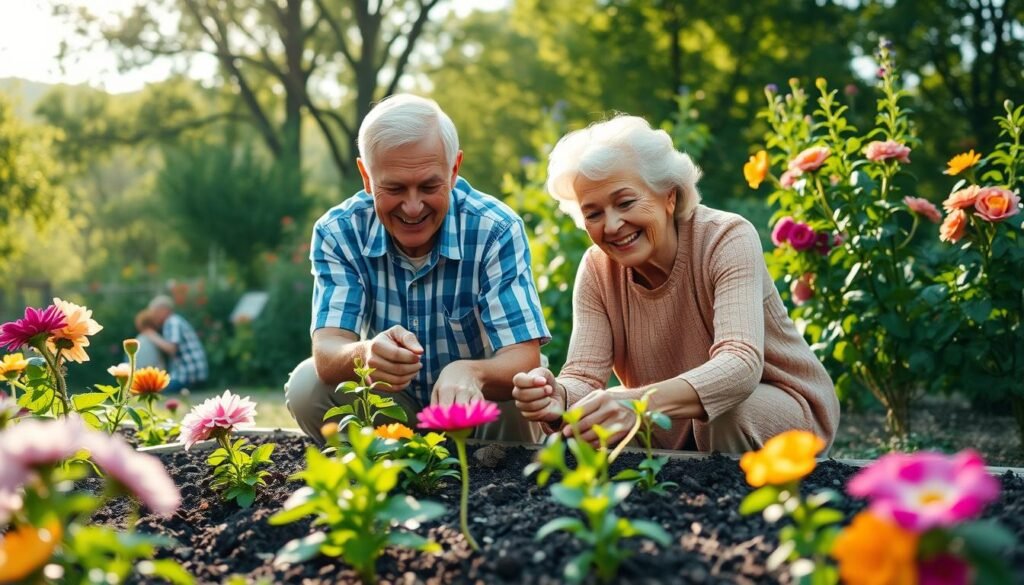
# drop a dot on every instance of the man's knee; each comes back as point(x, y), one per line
point(306, 395)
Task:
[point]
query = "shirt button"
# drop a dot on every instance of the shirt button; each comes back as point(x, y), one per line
point(415, 322)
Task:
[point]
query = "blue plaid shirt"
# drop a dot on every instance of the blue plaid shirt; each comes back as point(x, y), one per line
point(188, 365)
point(474, 296)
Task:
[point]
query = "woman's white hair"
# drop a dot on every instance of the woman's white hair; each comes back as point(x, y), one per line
point(404, 119)
point(624, 142)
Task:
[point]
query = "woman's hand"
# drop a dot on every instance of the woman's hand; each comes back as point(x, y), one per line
point(602, 407)
point(538, 396)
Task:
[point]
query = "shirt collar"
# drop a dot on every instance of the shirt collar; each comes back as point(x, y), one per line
point(378, 241)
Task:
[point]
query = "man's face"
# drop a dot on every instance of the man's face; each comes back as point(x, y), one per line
point(159, 315)
point(411, 185)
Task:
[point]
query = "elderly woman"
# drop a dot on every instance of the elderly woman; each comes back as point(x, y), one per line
point(675, 296)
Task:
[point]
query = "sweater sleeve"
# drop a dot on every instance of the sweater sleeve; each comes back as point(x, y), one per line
point(589, 361)
point(734, 262)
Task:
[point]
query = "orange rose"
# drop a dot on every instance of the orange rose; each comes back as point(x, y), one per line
point(756, 169)
point(962, 199)
point(996, 204)
point(810, 159)
point(784, 458)
point(872, 551)
point(393, 431)
point(24, 550)
point(953, 228)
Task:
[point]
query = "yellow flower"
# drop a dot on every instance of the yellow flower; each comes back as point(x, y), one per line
point(756, 169)
point(962, 162)
point(150, 381)
point(25, 549)
point(872, 551)
point(393, 431)
point(74, 335)
point(784, 458)
point(12, 365)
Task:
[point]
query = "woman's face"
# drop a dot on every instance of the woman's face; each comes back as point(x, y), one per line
point(627, 220)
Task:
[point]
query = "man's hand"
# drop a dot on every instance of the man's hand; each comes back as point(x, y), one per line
point(459, 383)
point(537, 395)
point(602, 407)
point(394, 354)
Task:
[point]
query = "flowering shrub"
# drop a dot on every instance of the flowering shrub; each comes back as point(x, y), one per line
point(366, 406)
point(351, 497)
point(236, 464)
point(776, 470)
point(457, 421)
point(916, 529)
point(645, 476)
point(588, 489)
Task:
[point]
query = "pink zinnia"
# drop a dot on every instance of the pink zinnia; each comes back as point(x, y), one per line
point(457, 417)
point(802, 237)
point(36, 325)
point(925, 490)
point(810, 159)
point(889, 150)
point(924, 208)
point(218, 414)
point(141, 474)
point(944, 569)
point(780, 233)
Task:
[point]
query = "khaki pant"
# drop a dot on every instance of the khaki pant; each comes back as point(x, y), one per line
point(309, 398)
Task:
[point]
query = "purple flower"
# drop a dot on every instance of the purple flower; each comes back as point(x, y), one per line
point(771, 88)
point(35, 323)
point(802, 237)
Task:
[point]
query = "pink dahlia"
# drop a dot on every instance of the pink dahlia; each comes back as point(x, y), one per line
point(802, 237)
point(877, 151)
point(140, 474)
point(924, 208)
point(34, 327)
point(457, 417)
point(782, 229)
point(218, 414)
point(924, 490)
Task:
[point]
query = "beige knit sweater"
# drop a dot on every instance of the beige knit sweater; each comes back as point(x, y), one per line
point(717, 322)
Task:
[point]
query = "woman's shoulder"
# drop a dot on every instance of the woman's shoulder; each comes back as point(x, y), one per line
point(710, 220)
point(716, 231)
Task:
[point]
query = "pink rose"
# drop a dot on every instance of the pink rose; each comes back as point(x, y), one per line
point(802, 289)
point(954, 227)
point(962, 199)
point(780, 234)
point(996, 204)
point(810, 159)
point(889, 150)
point(802, 237)
point(924, 208)
point(823, 243)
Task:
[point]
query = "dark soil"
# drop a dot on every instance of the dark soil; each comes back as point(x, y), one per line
point(712, 542)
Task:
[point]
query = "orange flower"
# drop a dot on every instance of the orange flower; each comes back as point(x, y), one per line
point(25, 549)
point(393, 431)
point(12, 365)
point(810, 159)
point(150, 381)
point(74, 335)
point(784, 458)
point(872, 551)
point(962, 199)
point(962, 161)
point(953, 228)
point(756, 169)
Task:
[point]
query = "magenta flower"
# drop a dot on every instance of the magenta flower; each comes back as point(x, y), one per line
point(219, 414)
point(925, 490)
point(780, 233)
point(802, 237)
point(944, 569)
point(457, 417)
point(140, 474)
point(35, 326)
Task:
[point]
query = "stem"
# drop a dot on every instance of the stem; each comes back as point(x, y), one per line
point(910, 236)
point(54, 363)
point(460, 444)
point(820, 192)
point(625, 440)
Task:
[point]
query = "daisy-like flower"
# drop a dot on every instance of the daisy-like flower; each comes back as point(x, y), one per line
point(219, 414)
point(120, 372)
point(38, 442)
point(13, 365)
point(73, 338)
point(150, 380)
point(140, 474)
point(924, 208)
point(33, 328)
point(962, 162)
point(785, 458)
point(25, 549)
point(393, 431)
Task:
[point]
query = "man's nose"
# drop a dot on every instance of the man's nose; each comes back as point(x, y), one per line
point(413, 205)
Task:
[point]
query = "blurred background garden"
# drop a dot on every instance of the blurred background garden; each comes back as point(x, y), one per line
point(186, 146)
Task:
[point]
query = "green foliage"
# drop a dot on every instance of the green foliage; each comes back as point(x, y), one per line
point(236, 468)
point(427, 463)
point(367, 405)
point(645, 476)
point(351, 497)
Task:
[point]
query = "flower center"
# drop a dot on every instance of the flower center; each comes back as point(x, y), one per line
point(929, 497)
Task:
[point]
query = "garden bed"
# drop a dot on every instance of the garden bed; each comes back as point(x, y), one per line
point(712, 543)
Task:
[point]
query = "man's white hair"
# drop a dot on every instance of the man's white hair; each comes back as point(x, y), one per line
point(404, 119)
point(161, 302)
point(622, 143)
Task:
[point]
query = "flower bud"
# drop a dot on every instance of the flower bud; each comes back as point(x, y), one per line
point(172, 405)
point(821, 84)
point(329, 430)
point(131, 346)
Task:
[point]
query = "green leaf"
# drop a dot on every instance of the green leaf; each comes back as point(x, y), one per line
point(300, 550)
point(134, 415)
point(88, 400)
point(759, 499)
point(246, 496)
point(578, 567)
point(404, 508)
point(825, 516)
point(167, 569)
point(396, 412)
point(572, 525)
point(662, 420)
point(338, 411)
point(567, 496)
point(411, 540)
point(986, 536)
point(651, 530)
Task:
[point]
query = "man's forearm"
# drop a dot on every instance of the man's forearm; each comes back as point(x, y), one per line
point(496, 372)
point(162, 344)
point(335, 358)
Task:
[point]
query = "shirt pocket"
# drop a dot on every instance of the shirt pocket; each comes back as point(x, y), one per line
point(465, 340)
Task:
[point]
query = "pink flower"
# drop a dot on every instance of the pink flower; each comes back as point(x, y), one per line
point(802, 288)
point(924, 208)
point(10, 502)
point(141, 474)
point(172, 405)
point(823, 243)
point(962, 199)
point(780, 233)
point(996, 204)
point(889, 150)
point(954, 226)
point(924, 490)
point(810, 159)
point(39, 442)
point(802, 237)
point(457, 417)
point(226, 412)
point(944, 569)
point(36, 325)
point(789, 178)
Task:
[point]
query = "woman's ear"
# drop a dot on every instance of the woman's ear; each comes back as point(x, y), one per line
point(673, 197)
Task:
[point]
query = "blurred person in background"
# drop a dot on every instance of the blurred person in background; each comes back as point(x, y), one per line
point(173, 335)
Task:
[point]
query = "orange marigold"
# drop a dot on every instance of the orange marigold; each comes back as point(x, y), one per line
point(150, 381)
point(393, 431)
point(24, 550)
point(962, 162)
point(872, 551)
point(784, 458)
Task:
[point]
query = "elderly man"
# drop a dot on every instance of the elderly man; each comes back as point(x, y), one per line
point(422, 278)
point(179, 342)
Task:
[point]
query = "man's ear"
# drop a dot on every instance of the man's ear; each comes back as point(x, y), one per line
point(366, 176)
point(456, 166)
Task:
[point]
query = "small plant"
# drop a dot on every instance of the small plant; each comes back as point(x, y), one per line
point(776, 471)
point(366, 406)
point(588, 490)
point(645, 476)
point(428, 462)
point(236, 465)
point(350, 496)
